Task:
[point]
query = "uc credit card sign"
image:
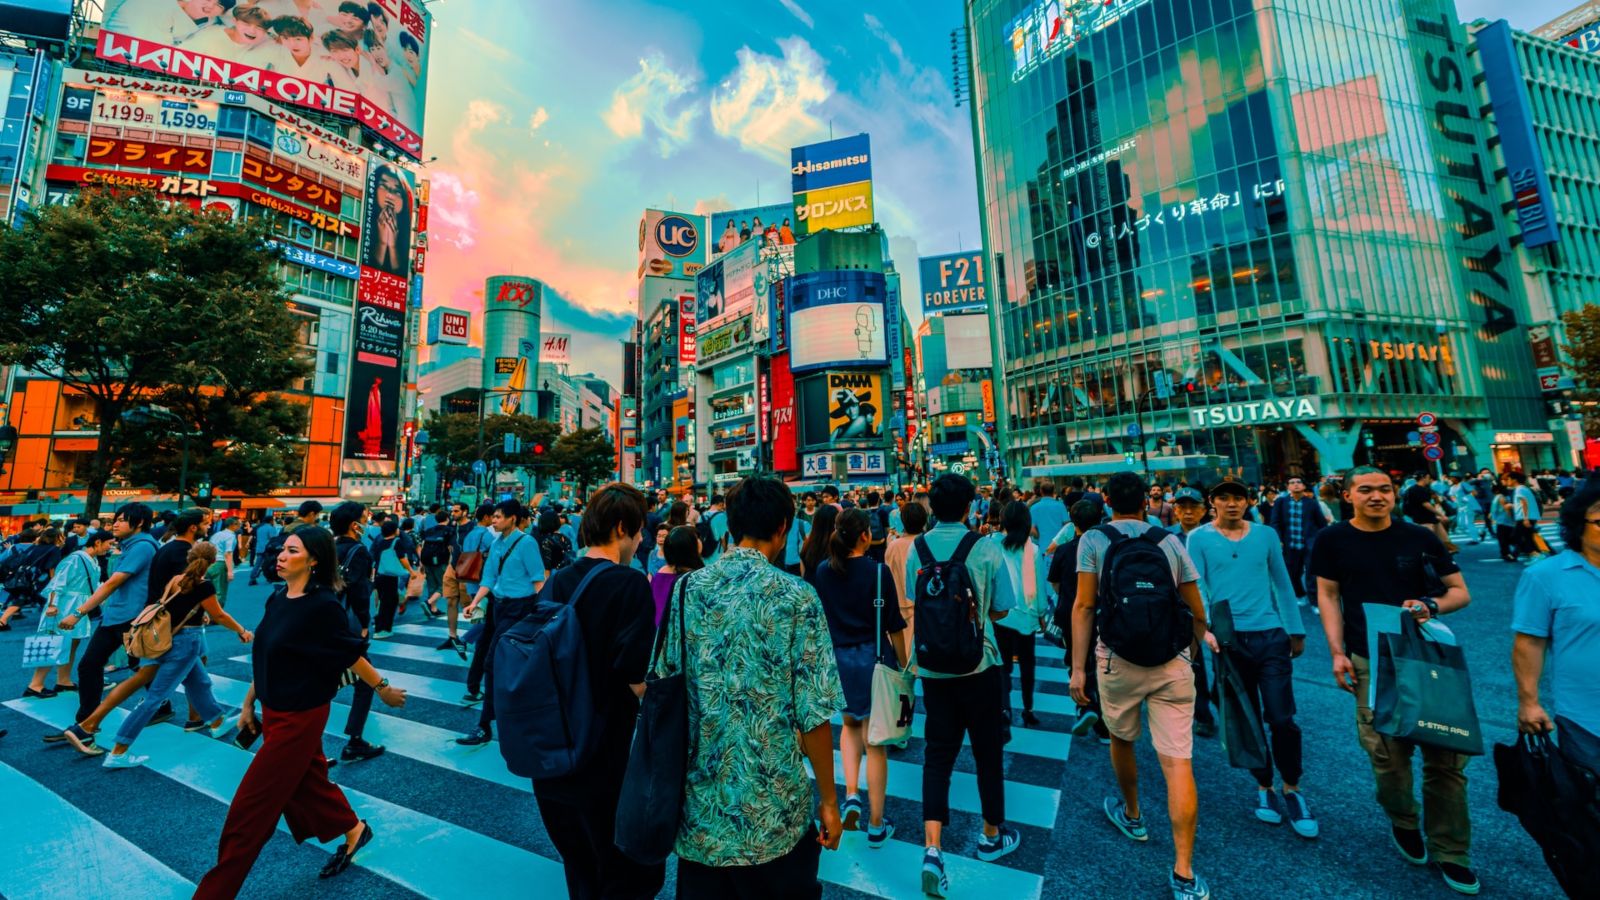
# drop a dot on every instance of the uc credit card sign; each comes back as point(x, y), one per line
point(830, 164)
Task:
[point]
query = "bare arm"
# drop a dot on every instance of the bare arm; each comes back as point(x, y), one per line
point(817, 745)
point(1344, 672)
point(221, 617)
point(1082, 625)
point(101, 593)
point(1527, 662)
point(898, 641)
point(1190, 592)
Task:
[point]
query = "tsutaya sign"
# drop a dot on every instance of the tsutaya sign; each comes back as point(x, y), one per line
point(1257, 413)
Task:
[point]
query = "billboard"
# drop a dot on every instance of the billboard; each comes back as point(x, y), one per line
point(671, 244)
point(367, 62)
point(770, 224)
point(844, 206)
point(785, 441)
point(726, 288)
point(953, 282)
point(512, 311)
point(855, 406)
point(1051, 27)
point(556, 349)
point(448, 326)
point(832, 184)
point(372, 409)
point(837, 319)
point(688, 343)
point(966, 341)
point(1569, 22)
point(1508, 96)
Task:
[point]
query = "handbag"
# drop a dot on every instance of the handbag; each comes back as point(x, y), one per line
point(893, 700)
point(414, 584)
point(1555, 800)
point(48, 649)
point(1239, 722)
point(389, 563)
point(149, 635)
point(1422, 692)
point(469, 566)
point(653, 785)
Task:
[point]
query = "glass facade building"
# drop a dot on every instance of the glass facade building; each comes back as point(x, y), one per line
point(1241, 236)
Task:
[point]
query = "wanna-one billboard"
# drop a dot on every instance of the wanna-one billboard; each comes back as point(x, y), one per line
point(365, 61)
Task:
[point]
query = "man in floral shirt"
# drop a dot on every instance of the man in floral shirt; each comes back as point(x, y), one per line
point(763, 690)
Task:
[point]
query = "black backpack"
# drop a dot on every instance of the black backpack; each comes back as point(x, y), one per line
point(949, 634)
point(24, 578)
point(555, 549)
point(878, 525)
point(1138, 612)
point(708, 536)
point(436, 546)
point(270, 553)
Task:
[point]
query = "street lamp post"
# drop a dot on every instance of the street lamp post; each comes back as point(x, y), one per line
point(1138, 418)
point(144, 415)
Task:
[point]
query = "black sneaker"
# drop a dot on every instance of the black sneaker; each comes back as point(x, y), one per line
point(1410, 844)
point(447, 644)
point(471, 697)
point(164, 714)
point(1205, 729)
point(82, 740)
point(358, 750)
point(1459, 878)
point(1004, 841)
point(477, 738)
point(1029, 720)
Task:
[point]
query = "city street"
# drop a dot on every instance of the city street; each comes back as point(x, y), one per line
point(451, 822)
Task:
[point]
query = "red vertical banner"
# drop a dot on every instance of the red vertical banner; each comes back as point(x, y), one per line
point(763, 402)
point(785, 442)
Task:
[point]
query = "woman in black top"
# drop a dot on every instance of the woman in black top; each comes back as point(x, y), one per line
point(815, 548)
point(851, 585)
point(303, 646)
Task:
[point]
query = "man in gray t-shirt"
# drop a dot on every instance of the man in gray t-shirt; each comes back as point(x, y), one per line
point(1092, 547)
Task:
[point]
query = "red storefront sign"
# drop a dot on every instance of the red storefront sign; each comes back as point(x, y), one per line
point(785, 440)
point(150, 155)
point(283, 181)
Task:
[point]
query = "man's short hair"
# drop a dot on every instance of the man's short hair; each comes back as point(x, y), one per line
point(874, 498)
point(292, 26)
point(1045, 487)
point(138, 516)
point(718, 499)
point(310, 508)
point(359, 10)
point(1125, 493)
point(1355, 472)
point(830, 489)
point(252, 15)
point(80, 521)
point(189, 518)
point(484, 511)
point(613, 505)
point(1086, 514)
point(377, 12)
point(950, 495)
point(407, 42)
point(337, 40)
point(759, 508)
point(913, 518)
point(231, 522)
point(344, 515)
point(510, 509)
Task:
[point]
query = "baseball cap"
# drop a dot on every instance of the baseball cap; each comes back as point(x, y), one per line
point(1231, 486)
point(1189, 494)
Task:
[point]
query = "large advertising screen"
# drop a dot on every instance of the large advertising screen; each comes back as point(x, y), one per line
point(1051, 27)
point(953, 282)
point(364, 61)
point(855, 406)
point(372, 408)
point(768, 225)
point(966, 341)
point(726, 288)
point(837, 319)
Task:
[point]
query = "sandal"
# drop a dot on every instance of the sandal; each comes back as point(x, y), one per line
point(344, 855)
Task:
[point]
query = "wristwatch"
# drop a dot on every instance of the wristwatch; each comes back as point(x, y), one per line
point(382, 683)
point(1432, 605)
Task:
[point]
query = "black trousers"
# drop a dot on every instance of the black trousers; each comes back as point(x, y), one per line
point(973, 706)
point(504, 612)
point(92, 666)
point(792, 876)
point(1295, 561)
point(360, 708)
point(585, 836)
point(1202, 687)
point(1022, 647)
point(480, 651)
point(1262, 660)
point(1506, 537)
point(388, 601)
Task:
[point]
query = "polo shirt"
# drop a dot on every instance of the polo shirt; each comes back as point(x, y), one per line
point(1558, 599)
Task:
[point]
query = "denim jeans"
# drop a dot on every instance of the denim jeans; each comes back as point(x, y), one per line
point(180, 665)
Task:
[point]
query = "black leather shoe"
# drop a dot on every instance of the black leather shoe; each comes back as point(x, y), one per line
point(163, 714)
point(477, 738)
point(44, 694)
point(344, 856)
point(358, 750)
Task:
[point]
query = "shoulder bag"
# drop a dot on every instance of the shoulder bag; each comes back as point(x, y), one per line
point(892, 692)
point(469, 565)
point(149, 635)
point(658, 763)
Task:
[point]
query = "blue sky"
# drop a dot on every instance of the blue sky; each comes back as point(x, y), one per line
point(556, 122)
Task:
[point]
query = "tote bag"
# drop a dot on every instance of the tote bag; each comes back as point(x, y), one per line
point(389, 563)
point(1423, 693)
point(651, 808)
point(893, 699)
point(39, 650)
point(1238, 719)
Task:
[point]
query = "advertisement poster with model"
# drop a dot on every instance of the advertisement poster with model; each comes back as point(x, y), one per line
point(372, 411)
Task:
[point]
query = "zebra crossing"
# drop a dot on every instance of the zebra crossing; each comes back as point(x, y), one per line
point(428, 852)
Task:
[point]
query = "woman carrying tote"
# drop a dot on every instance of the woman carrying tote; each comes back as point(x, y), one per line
point(76, 578)
point(1025, 577)
point(303, 648)
point(394, 570)
point(851, 584)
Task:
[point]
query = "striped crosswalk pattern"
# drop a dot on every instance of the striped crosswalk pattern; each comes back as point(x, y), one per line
point(428, 851)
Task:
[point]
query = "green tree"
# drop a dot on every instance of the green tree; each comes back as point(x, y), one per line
point(453, 438)
point(1583, 347)
point(133, 301)
point(585, 456)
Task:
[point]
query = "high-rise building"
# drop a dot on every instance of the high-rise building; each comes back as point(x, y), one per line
point(672, 249)
point(1250, 236)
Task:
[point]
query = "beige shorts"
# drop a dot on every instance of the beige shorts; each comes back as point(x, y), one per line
point(454, 591)
point(1168, 692)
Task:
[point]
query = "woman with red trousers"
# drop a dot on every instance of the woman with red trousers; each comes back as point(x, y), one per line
point(302, 648)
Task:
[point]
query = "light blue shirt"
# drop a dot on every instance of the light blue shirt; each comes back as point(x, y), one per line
point(984, 565)
point(1249, 574)
point(656, 561)
point(129, 598)
point(799, 530)
point(895, 523)
point(1049, 516)
point(1558, 599)
point(514, 567)
point(719, 528)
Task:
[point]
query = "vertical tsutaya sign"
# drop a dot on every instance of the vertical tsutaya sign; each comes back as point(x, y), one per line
point(1485, 270)
point(1530, 183)
point(372, 407)
point(832, 184)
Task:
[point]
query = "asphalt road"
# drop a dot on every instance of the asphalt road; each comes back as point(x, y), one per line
point(451, 822)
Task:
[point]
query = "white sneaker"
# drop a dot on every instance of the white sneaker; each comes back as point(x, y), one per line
point(123, 761)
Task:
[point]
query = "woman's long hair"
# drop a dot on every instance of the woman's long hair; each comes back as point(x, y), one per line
point(815, 548)
point(681, 549)
point(677, 514)
point(1017, 520)
point(847, 532)
point(200, 558)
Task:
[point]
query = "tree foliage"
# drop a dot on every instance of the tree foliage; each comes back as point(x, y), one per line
point(134, 301)
point(586, 457)
point(1583, 347)
point(453, 438)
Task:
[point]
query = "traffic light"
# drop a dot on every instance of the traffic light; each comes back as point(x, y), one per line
point(202, 491)
point(538, 449)
point(1366, 439)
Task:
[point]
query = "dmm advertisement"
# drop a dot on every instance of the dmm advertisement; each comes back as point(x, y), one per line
point(372, 407)
point(953, 282)
point(855, 406)
point(364, 61)
point(837, 319)
point(770, 225)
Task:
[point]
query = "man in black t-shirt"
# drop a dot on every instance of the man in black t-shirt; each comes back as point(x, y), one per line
point(348, 521)
point(1372, 558)
point(169, 562)
point(617, 616)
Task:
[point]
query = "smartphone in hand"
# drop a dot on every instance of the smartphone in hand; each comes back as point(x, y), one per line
point(247, 736)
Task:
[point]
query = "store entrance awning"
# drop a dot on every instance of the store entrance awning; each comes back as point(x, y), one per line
point(261, 503)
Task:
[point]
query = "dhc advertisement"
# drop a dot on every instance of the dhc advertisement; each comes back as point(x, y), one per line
point(837, 319)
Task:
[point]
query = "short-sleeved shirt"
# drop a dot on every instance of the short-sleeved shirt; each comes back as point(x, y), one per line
point(1049, 515)
point(1092, 548)
point(759, 667)
point(1558, 599)
point(1388, 566)
point(183, 604)
point(983, 565)
point(225, 541)
point(170, 561)
point(138, 552)
point(849, 601)
point(514, 567)
point(1417, 498)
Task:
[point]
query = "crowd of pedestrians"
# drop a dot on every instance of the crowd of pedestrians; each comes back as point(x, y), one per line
point(783, 615)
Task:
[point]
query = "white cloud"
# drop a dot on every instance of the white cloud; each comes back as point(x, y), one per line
point(539, 117)
point(766, 103)
point(719, 203)
point(645, 98)
point(483, 113)
point(881, 33)
point(798, 13)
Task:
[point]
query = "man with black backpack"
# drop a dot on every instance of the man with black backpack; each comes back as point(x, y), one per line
point(440, 544)
point(877, 525)
point(348, 522)
point(1137, 589)
point(951, 574)
point(713, 531)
